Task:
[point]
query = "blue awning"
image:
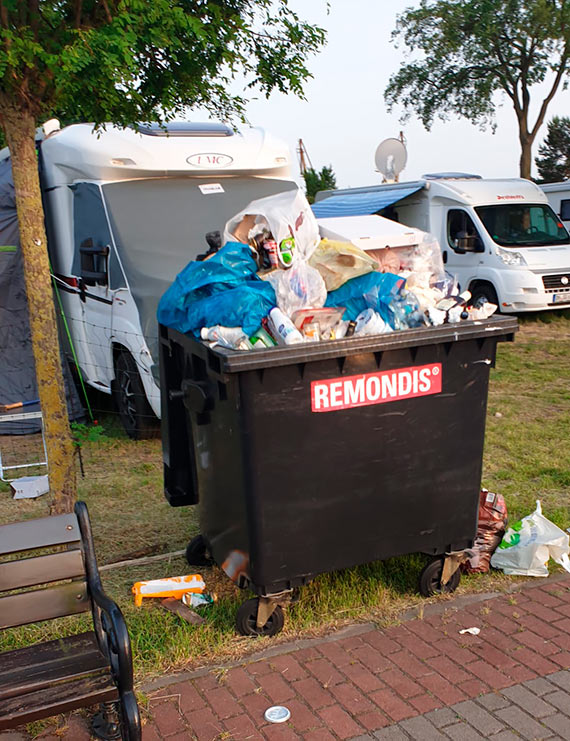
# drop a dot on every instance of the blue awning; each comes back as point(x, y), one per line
point(361, 203)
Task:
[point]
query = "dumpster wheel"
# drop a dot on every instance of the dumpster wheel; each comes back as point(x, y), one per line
point(247, 619)
point(430, 579)
point(198, 552)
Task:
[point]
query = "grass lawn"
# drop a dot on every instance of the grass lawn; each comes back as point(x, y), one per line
point(526, 457)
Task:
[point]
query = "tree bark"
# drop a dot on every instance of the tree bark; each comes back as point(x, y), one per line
point(20, 127)
point(526, 158)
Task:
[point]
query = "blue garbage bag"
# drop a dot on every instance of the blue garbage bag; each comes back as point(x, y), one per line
point(223, 290)
point(371, 291)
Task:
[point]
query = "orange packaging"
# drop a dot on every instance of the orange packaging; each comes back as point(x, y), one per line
point(173, 586)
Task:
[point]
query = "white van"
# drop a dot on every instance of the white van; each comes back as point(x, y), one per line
point(558, 195)
point(126, 210)
point(499, 237)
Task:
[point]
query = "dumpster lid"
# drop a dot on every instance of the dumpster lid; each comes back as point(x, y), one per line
point(232, 361)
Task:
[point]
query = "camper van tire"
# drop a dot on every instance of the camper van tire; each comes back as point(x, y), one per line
point(482, 289)
point(135, 412)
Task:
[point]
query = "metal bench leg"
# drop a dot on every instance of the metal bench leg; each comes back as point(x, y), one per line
point(106, 723)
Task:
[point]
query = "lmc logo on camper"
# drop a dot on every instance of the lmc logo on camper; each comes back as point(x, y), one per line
point(375, 388)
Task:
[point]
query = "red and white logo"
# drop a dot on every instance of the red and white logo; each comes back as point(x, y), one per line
point(375, 388)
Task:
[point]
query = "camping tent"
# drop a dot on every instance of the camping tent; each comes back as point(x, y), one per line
point(17, 368)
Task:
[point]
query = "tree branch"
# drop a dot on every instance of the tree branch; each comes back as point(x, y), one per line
point(552, 93)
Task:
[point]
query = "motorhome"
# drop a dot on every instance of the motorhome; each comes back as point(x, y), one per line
point(558, 195)
point(500, 238)
point(126, 210)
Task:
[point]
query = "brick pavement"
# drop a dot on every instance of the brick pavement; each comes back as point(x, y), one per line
point(420, 680)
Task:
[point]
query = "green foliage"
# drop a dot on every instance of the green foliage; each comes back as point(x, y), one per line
point(553, 162)
point(147, 60)
point(464, 52)
point(83, 433)
point(315, 181)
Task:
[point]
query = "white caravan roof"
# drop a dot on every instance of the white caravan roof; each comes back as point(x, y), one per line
point(556, 187)
point(79, 153)
point(469, 190)
point(369, 232)
point(487, 192)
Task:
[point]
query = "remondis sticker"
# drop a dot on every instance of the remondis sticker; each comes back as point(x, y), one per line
point(375, 388)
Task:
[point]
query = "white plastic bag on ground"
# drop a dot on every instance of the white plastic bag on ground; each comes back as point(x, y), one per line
point(287, 214)
point(528, 545)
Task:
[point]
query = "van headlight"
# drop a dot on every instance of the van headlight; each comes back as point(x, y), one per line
point(511, 257)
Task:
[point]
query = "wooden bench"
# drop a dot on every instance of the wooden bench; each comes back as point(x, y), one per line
point(80, 670)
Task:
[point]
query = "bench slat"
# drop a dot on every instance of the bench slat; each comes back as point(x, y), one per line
point(29, 669)
point(39, 533)
point(29, 572)
point(60, 698)
point(44, 604)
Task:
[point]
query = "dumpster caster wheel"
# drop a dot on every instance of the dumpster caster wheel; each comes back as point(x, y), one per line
point(198, 552)
point(430, 579)
point(246, 620)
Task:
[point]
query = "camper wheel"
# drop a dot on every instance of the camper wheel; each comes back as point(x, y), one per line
point(135, 412)
point(484, 290)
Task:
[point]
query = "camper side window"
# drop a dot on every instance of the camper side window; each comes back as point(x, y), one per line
point(462, 233)
point(565, 209)
point(94, 257)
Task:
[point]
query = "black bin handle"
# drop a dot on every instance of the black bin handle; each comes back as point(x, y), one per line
point(195, 395)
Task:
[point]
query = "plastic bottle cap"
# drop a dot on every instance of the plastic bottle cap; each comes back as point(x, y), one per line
point(277, 714)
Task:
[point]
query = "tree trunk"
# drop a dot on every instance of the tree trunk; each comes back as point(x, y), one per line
point(20, 127)
point(526, 158)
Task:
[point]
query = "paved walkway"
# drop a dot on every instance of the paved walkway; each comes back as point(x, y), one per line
point(421, 680)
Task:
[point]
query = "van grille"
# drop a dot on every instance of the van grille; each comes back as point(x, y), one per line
point(556, 283)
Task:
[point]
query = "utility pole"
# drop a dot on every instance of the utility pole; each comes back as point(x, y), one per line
point(303, 158)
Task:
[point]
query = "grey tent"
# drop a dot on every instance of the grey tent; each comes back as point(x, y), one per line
point(17, 369)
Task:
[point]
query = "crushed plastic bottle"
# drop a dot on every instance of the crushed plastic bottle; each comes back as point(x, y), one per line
point(232, 337)
point(369, 322)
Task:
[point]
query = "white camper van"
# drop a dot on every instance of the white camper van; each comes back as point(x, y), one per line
point(126, 210)
point(499, 237)
point(558, 195)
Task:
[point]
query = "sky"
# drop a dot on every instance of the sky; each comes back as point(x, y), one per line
point(344, 116)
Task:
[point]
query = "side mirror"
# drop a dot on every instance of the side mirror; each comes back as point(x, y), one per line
point(93, 263)
point(471, 243)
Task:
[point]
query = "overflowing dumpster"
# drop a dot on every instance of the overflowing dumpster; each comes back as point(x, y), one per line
point(313, 457)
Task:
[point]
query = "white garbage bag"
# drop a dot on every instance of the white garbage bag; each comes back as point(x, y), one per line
point(288, 216)
point(528, 545)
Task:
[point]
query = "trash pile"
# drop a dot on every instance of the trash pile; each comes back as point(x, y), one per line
point(529, 544)
point(276, 282)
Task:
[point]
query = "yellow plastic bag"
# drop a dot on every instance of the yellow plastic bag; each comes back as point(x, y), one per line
point(338, 262)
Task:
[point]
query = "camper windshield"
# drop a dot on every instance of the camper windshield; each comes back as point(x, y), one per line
point(159, 225)
point(523, 225)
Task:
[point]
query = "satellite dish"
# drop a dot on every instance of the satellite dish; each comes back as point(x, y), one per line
point(390, 158)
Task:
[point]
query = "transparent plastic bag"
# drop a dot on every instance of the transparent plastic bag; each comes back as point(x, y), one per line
point(300, 287)
point(423, 267)
point(287, 215)
point(529, 544)
point(338, 262)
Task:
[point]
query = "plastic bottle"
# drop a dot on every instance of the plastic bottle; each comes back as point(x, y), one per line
point(233, 337)
point(261, 340)
point(369, 322)
point(283, 329)
point(286, 250)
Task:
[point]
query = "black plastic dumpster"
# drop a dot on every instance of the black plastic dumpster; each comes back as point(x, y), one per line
point(316, 457)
